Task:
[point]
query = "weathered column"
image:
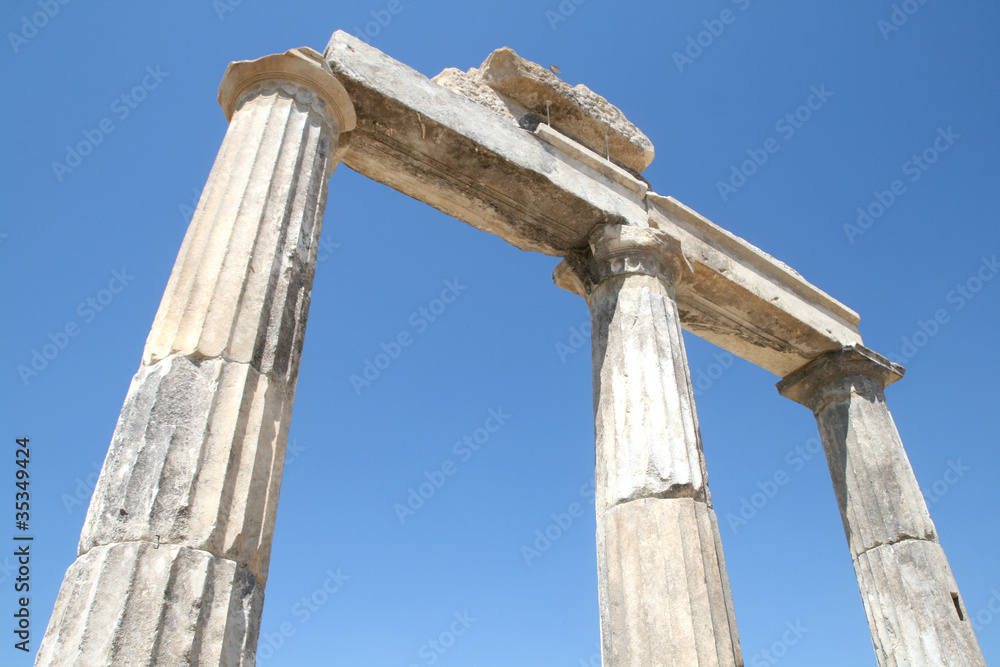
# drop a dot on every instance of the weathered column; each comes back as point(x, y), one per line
point(664, 593)
point(915, 614)
point(174, 552)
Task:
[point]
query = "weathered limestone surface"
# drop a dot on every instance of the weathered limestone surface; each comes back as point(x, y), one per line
point(174, 552)
point(576, 111)
point(468, 160)
point(664, 593)
point(747, 302)
point(914, 609)
point(196, 460)
point(920, 618)
point(457, 145)
point(135, 604)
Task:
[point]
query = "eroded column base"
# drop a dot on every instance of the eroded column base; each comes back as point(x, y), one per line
point(914, 612)
point(664, 592)
point(138, 604)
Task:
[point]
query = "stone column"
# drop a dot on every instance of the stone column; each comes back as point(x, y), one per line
point(915, 614)
point(664, 593)
point(174, 553)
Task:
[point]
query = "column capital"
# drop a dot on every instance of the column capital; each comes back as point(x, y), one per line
point(616, 249)
point(803, 385)
point(301, 74)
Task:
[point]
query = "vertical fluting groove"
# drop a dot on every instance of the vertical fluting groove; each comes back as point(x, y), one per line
point(238, 218)
point(111, 591)
point(685, 393)
point(295, 268)
point(242, 521)
point(263, 258)
point(224, 298)
point(178, 306)
point(663, 590)
point(904, 578)
point(887, 524)
point(659, 457)
point(194, 477)
point(76, 630)
point(196, 459)
point(720, 557)
point(179, 285)
point(247, 270)
point(140, 603)
point(203, 606)
point(694, 599)
point(712, 567)
point(860, 479)
point(166, 623)
point(238, 394)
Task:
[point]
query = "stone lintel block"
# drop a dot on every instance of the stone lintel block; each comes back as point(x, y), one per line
point(590, 159)
point(471, 159)
point(746, 301)
point(304, 66)
point(915, 613)
point(575, 111)
point(860, 369)
point(140, 605)
point(195, 460)
point(456, 146)
point(664, 593)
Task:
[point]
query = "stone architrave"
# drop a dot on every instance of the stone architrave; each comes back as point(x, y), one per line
point(174, 553)
point(915, 613)
point(663, 589)
point(457, 144)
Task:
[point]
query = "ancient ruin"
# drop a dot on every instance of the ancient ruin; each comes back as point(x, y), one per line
point(174, 553)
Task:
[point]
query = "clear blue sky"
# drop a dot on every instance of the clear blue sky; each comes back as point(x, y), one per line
point(125, 208)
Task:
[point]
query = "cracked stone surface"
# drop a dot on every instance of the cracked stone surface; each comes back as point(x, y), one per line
point(174, 553)
point(456, 144)
point(196, 459)
point(136, 604)
point(576, 111)
point(664, 593)
point(915, 612)
point(511, 86)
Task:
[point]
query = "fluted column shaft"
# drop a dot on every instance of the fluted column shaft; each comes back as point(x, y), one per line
point(915, 613)
point(174, 552)
point(663, 589)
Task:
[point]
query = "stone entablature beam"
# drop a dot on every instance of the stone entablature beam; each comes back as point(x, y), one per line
point(469, 155)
